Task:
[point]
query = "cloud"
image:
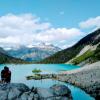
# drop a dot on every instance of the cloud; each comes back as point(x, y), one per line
point(27, 29)
point(90, 23)
point(20, 28)
point(11, 24)
point(58, 34)
point(10, 39)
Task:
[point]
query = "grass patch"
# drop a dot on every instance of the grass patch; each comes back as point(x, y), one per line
point(36, 71)
point(96, 56)
point(83, 57)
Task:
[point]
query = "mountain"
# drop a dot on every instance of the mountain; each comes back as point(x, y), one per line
point(4, 58)
point(34, 52)
point(87, 49)
point(2, 50)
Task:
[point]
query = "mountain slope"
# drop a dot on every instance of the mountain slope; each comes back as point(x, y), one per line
point(69, 53)
point(34, 53)
point(4, 58)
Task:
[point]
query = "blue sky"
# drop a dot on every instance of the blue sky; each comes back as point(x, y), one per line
point(62, 16)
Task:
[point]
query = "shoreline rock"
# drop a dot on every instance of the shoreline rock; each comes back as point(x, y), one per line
point(41, 76)
point(19, 91)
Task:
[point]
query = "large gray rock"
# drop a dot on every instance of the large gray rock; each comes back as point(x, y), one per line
point(3, 95)
point(13, 93)
point(24, 96)
point(20, 86)
point(61, 92)
point(44, 93)
point(31, 96)
point(27, 96)
point(56, 92)
point(20, 91)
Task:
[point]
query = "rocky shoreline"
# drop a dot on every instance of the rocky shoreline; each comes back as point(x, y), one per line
point(41, 76)
point(19, 91)
point(87, 78)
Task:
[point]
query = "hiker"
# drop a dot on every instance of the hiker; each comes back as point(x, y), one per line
point(6, 75)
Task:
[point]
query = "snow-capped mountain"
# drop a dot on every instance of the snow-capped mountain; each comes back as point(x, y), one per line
point(33, 52)
point(85, 51)
point(5, 58)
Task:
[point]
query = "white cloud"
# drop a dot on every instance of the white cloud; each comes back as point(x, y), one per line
point(10, 39)
point(20, 28)
point(20, 24)
point(91, 23)
point(27, 29)
point(58, 34)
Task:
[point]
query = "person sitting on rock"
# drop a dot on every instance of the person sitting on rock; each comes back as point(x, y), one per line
point(6, 75)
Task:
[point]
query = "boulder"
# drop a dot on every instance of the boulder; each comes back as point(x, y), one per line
point(56, 92)
point(31, 96)
point(24, 96)
point(19, 91)
point(44, 93)
point(20, 86)
point(27, 96)
point(3, 95)
point(61, 91)
point(13, 93)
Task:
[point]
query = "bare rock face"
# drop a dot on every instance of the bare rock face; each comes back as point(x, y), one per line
point(18, 91)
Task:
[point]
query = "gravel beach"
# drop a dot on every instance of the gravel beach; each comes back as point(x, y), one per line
point(86, 77)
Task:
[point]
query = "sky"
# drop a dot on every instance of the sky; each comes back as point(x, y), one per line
point(58, 22)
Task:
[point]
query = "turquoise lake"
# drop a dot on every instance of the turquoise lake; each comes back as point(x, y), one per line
point(19, 73)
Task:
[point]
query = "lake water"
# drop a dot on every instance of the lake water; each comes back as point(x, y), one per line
point(19, 73)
